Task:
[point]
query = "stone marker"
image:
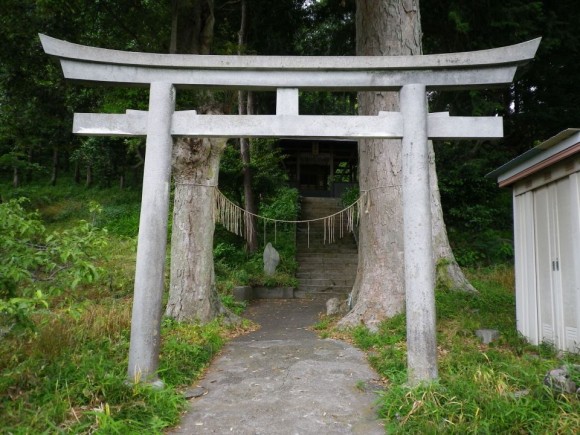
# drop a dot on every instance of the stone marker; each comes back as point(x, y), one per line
point(271, 260)
point(487, 335)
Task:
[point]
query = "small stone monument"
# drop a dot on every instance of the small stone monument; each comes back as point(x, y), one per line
point(271, 260)
point(487, 335)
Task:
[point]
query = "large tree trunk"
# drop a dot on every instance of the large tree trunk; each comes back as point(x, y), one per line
point(192, 291)
point(384, 28)
point(388, 28)
point(193, 295)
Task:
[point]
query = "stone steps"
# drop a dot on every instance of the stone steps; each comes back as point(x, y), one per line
point(327, 257)
point(341, 291)
point(326, 274)
point(323, 283)
point(324, 269)
point(303, 294)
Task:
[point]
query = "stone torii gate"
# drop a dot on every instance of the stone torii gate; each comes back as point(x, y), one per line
point(412, 76)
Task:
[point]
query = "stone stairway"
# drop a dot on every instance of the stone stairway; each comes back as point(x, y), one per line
point(327, 269)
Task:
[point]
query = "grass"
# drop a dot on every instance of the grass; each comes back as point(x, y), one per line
point(496, 388)
point(68, 373)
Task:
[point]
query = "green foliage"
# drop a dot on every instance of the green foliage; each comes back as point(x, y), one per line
point(234, 266)
point(266, 165)
point(62, 206)
point(234, 306)
point(477, 214)
point(16, 313)
point(32, 261)
point(349, 196)
point(328, 30)
point(187, 348)
point(121, 219)
point(495, 388)
point(74, 356)
point(283, 205)
point(19, 160)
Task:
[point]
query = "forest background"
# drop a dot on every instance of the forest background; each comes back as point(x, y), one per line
point(72, 355)
point(36, 105)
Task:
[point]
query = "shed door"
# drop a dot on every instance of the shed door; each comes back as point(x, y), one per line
point(546, 276)
point(557, 231)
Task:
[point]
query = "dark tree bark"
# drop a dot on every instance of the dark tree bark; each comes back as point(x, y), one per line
point(192, 26)
point(54, 174)
point(77, 173)
point(246, 107)
point(15, 177)
point(89, 177)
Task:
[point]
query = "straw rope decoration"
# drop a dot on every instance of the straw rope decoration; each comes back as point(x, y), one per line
point(238, 221)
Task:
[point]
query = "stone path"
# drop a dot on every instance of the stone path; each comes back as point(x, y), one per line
point(283, 379)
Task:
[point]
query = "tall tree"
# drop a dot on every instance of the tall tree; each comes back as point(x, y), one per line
point(245, 107)
point(192, 293)
point(388, 28)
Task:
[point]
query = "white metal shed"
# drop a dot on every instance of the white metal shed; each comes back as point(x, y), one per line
point(546, 191)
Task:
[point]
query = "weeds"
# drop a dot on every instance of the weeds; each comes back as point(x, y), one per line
point(495, 388)
point(67, 371)
point(76, 363)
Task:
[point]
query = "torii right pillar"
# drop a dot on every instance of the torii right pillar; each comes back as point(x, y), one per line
point(419, 262)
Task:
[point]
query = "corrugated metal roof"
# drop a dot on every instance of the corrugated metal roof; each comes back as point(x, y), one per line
point(545, 150)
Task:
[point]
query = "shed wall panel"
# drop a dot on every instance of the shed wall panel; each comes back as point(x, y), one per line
point(544, 253)
point(526, 307)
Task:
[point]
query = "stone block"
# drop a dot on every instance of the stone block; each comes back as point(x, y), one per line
point(487, 335)
point(243, 293)
point(274, 292)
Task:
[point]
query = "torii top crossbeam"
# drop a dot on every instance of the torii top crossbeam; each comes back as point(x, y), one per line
point(467, 70)
point(287, 75)
point(412, 76)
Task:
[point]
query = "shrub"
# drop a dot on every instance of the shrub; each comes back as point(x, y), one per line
point(33, 262)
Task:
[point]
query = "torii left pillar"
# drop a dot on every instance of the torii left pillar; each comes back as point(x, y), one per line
point(152, 241)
